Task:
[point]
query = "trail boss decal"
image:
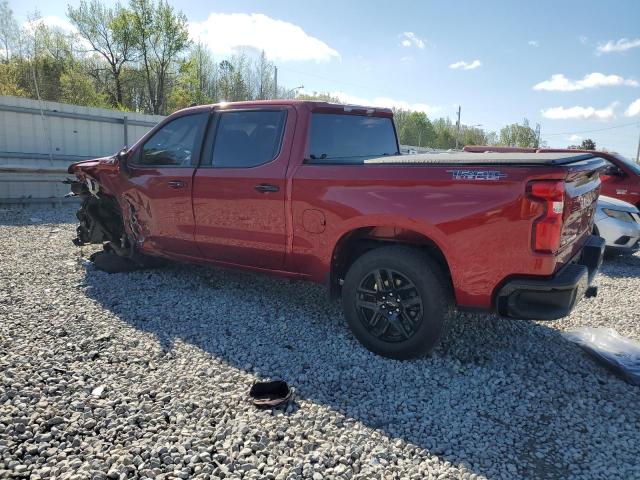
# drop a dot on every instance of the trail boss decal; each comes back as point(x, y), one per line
point(477, 174)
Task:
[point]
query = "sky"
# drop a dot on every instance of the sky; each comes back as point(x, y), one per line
point(571, 66)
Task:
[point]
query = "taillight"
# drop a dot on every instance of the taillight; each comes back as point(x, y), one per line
point(547, 228)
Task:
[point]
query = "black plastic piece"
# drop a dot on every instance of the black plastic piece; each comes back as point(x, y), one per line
point(270, 394)
point(555, 297)
point(623, 240)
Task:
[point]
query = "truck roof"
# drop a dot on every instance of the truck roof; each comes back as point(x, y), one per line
point(488, 158)
point(311, 104)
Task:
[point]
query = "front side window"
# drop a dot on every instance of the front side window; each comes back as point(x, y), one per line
point(336, 138)
point(175, 144)
point(248, 138)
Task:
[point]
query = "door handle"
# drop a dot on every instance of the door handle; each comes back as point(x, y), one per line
point(267, 187)
point(177, 184)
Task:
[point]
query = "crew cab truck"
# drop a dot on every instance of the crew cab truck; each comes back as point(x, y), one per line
point(318, 192)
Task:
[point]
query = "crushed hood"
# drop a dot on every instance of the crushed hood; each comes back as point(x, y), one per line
point(92, 163)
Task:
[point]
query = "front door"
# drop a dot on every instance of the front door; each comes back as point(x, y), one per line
point(616, 183)
point(239, 190)
point(160, 186)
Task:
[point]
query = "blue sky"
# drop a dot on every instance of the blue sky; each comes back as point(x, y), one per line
point(404, 53)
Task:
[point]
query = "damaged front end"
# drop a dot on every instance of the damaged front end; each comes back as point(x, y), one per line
point(100, 218)
point(107, 219)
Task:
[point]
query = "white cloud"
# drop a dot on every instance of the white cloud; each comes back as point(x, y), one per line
point(633, 110)
point(560, 83)
point(466, 66)
point(578, 112)
point(534, 43)
point(51, 21)
point(621, 45)
point(574, 138)
point(384, 102)
point(66, 27)
point(408, 39)
point(225, 33)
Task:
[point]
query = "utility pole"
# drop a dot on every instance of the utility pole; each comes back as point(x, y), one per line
point(538, 135)
point(275, 81)
point(458, 127)
point(638, 152)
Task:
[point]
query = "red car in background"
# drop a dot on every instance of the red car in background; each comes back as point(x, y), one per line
point(620, 179)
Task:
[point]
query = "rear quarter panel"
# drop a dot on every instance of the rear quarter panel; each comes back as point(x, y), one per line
point(483, 228)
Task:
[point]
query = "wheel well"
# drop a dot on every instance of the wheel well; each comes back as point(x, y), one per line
point(357, 242)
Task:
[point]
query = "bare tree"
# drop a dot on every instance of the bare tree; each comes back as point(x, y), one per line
point(109, 31)
point(8, 30)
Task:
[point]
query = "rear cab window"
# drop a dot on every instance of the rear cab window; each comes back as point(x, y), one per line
point(349, 139)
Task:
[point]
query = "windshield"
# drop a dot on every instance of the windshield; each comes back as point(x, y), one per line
point(338, 138)
point(633, 166)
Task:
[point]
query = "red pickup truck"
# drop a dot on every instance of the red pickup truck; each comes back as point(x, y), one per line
point(319, 192)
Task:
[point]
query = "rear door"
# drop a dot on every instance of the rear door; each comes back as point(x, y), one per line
point(160, 185)
point(239, 190)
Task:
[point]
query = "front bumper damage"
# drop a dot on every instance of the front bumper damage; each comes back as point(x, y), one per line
point(555, 297)
point(100, 218)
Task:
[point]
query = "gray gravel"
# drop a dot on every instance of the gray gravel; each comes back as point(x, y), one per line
point(145, 375)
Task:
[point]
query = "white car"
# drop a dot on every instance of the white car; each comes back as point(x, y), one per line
point(618, 223)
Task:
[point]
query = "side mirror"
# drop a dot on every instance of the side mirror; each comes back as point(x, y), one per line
point(122, 156)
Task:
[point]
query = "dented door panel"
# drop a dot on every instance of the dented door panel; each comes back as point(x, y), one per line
point(160, 215)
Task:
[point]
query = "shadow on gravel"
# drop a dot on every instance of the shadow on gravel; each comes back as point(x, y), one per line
point(498, 396)
point(619, 265)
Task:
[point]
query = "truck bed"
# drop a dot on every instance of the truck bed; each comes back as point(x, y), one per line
point(489, 158)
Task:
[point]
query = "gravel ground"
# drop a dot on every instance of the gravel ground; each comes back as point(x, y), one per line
point(146, 374)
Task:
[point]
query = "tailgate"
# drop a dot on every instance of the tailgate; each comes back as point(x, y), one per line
point(582, 187)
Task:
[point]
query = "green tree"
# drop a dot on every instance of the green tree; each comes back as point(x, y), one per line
point(195, 80)
point(161, 35)
point(445, 134)
point(109, 31)
point(10, 80)
point(417, 130)
point(588, 144)
point(517, 135)
point(78, 88)
point(473, 136)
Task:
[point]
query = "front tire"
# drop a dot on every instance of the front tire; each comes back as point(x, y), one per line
point(396, 301)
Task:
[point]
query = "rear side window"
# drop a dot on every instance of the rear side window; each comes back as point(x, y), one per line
point(174, 144)
point(337, 138)
point(248, 138)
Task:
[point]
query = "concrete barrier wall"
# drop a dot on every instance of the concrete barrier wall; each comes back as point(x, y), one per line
point(39, 140)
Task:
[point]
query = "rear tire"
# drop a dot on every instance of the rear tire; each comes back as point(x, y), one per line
point(397, 301)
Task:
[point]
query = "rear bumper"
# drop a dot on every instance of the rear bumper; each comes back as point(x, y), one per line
point(555, 297)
